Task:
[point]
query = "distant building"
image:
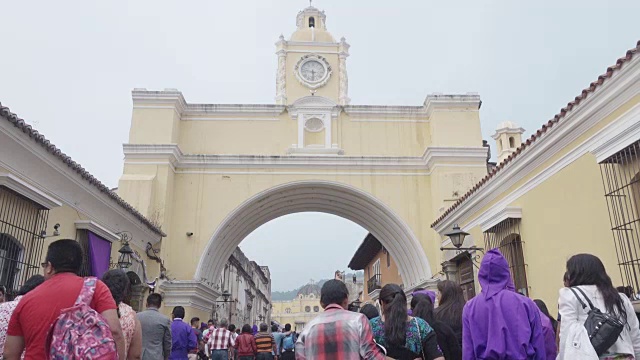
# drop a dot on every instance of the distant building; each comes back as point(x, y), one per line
point(378, 265)
point(299, 311)
point(249, 288)
point(354, 284)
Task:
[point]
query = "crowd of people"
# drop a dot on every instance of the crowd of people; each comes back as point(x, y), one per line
point(499, 323)
point(60, 315)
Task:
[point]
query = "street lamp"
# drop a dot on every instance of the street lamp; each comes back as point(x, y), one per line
point(457, 236)
point(225, 297)
point(457, 239)
point(124, 260)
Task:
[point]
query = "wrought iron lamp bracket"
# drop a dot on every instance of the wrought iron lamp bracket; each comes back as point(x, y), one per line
point(475, 257)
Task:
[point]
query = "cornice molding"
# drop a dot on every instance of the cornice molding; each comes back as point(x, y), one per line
point(29, 191)
point(143, 98)
point(311, 104)
point(97, 229)
point(617, 137)
point(311, 43)
point(510, 212)
point(193, 110)
point(435, 102)
point(433, 156)
point(189, 293)
point(402, 112)
point(499, 132)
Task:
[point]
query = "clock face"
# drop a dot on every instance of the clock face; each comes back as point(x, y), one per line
point(312, 71)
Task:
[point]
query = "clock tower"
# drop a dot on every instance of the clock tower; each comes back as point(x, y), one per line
point(311, 62)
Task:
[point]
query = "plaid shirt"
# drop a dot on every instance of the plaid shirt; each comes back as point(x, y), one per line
point(337, 334)
point(221, 339)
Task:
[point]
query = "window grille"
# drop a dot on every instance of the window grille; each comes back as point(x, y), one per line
point(506, 237)
point(621, 181)
point(83, 239)
point(22, 224)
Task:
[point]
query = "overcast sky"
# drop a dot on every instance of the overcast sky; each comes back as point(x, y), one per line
point(68, 67)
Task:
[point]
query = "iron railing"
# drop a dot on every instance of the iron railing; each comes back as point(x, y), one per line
point(621, 180)
point(506, 237)
point(82, 236)
point(374, 283)
point(23, 224)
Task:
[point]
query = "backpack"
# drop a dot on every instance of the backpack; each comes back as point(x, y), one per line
point(80, 332)
point(602, 328)
point(288, 342)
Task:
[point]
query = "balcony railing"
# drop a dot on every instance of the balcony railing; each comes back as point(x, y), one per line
point(374, 283)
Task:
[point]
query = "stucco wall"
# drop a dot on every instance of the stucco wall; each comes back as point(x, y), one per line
point(388, 274)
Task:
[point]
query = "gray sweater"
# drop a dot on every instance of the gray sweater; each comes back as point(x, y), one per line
point(156, 335)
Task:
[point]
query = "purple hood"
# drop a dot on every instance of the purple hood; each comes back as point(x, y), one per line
point(494, 275)
point(430, 293)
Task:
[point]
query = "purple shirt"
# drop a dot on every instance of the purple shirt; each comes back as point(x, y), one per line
point(549, 337)
point(500, 323)
point(183, 340)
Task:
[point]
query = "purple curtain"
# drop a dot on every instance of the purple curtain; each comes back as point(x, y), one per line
point(99, 254)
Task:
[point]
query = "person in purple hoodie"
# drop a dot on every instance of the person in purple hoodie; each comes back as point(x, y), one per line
point(184, 340)
point(499, 323)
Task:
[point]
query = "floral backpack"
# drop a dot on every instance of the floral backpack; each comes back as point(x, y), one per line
point(80, 332)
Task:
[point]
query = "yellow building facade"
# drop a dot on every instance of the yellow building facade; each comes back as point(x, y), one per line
point(219, 171)
point(299, 311)
point(572, 187)
point(46, 196)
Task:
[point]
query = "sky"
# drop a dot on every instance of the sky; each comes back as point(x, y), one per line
point(68, 67)
point(332, 243)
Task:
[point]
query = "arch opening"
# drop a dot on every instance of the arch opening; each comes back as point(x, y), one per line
point(317, 196)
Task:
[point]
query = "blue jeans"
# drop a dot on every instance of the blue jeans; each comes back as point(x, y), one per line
point(220, 355)
point(264, 356)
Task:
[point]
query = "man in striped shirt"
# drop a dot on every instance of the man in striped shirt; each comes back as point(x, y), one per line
point(265, 343)
point(220, 341)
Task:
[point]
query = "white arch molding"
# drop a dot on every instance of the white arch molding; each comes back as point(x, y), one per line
point(317, 196)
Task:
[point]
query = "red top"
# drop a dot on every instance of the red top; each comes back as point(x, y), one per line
point(246, 345)
point(37, 310)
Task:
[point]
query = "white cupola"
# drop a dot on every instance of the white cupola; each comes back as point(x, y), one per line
point(508, 138)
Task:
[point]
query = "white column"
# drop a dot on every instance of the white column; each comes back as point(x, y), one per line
point(281, 85)
point(327, 131)
point(301, 131)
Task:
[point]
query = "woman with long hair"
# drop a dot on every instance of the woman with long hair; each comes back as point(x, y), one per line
point(403, 336)
point(422, 307)
point(450, 304)
point(586, 274)
point(118, 283)
point(246, 344)
point(549, 325)
point(545, 311)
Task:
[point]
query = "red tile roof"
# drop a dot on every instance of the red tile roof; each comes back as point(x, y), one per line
point(47, 145)
point(538, 134)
